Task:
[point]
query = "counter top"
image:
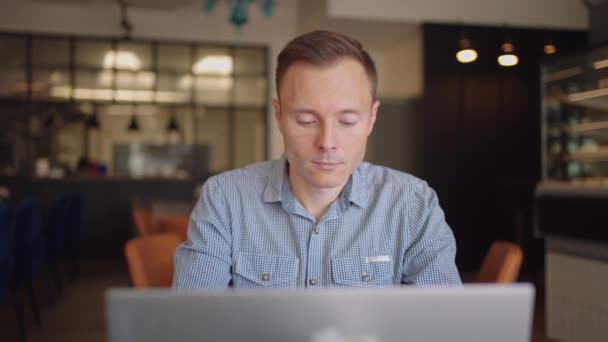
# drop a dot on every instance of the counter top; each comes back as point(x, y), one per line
point(588, 188)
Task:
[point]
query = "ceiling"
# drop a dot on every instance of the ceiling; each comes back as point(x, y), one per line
point(152, 4)
point(373, 34)
point(594, 3)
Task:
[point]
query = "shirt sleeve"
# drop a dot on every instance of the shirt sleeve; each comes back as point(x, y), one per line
point(430, 257)
point(203, 261)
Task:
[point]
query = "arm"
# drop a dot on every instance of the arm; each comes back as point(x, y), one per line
point(429, 259)
point(204, 259)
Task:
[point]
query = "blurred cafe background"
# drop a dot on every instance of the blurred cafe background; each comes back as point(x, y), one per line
point(114, 112)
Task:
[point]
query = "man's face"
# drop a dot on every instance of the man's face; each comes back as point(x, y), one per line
point(325, 115)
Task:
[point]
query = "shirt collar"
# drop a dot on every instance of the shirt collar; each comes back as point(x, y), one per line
point(355, 190)
point(274, 181)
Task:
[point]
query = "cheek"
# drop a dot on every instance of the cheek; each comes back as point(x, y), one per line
point(355, 140)
point(297, 144)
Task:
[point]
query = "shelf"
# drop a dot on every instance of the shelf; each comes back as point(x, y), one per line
point(594, 99)
point(589, 126)
point(575, 187)
point(562, 74)
point(601, 154)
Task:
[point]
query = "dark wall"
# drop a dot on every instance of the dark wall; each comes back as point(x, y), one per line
point(398, 126)
point(598, 18)
point(482, 135)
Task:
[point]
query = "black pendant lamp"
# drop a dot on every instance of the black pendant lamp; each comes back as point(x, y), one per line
point(172, 125)
point(92, 121)
point(133, 124)
point(549, 46)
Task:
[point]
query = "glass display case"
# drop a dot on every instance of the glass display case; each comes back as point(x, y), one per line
point(575, 118)
point(571, 200)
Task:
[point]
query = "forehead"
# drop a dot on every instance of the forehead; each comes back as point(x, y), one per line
point(343, 78)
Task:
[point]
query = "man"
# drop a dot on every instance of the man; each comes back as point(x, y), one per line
point(319, 216)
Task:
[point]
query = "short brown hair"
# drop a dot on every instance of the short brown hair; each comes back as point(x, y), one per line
point(322, 48)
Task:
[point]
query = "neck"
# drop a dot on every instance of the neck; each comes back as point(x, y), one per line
point(315, 201)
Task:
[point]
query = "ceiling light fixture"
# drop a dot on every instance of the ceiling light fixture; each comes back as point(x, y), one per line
point(467, 53)
point(213, 64)
point(549, 47)
point(124, 60)
point(508, 57)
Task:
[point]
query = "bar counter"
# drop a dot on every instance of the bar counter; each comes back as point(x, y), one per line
point(573, 219)
point(107, 222)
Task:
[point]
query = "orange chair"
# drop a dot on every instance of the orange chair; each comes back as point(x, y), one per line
point(174, 224)
point(142, 218)
point(150, 259)
point(501, 264)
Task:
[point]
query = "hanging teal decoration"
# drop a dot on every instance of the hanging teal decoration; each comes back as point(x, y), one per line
point(239, 15)
point(209, 5)
point(240, 8)
point(267, 7)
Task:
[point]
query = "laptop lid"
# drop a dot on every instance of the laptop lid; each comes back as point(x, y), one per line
point(474, 313)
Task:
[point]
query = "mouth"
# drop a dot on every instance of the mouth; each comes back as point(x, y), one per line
point(327, 165)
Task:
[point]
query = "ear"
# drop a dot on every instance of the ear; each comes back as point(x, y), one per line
point(278, 116)
point(374, 113)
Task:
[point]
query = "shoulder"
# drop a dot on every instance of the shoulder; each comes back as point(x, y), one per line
point(252, 175)
point(382, 176)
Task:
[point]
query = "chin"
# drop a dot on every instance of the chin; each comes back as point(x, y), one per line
point(328, 182)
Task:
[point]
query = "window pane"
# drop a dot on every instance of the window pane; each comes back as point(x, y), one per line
point(51, 83)
point(93, 85)
point(213, 61)
point(174, 58)
point(51, 52)
point(250, 132)
point(133, 56)
point(250, 91)
point(212, 129)
point(13, 80)
point(173, 88)
point(134, 86)
point(250, 60)
point(213, 90)
point(91, 53)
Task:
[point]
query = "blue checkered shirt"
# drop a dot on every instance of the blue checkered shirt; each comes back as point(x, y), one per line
point(248, 230)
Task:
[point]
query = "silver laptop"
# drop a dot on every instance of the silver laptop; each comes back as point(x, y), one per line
point(474, 313)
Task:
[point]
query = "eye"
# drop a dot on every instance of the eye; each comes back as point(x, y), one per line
point(306, 122)
point(349, 123)
point(349, 119)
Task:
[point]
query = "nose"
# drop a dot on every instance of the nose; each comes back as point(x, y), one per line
point(326, 139)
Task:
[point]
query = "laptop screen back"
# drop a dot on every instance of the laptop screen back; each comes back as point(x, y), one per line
point(474, 313)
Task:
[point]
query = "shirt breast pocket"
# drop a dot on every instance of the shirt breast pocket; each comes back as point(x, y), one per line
point(263, 270)
point(361, 271)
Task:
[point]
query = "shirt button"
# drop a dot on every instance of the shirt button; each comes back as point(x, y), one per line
point(312, 281)
point(365, 278)
point(265, 277)
point(316, 230)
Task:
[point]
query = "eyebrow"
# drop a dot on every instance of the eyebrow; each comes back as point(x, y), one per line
point(311, 111)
